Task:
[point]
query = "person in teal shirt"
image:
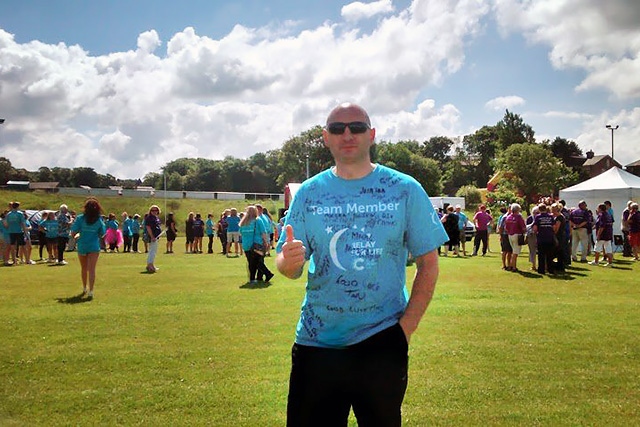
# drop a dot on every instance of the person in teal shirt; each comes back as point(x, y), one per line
point(211, 232)
point(356, 223)
point(253, 231)
point(88, 229)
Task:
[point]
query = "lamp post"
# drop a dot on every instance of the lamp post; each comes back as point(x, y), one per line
point(612, 128)
point(307, 165)
point(1, 122)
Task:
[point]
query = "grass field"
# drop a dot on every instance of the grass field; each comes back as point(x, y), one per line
point(195, 345)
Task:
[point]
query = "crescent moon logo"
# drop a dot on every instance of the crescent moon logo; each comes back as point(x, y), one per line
point(332, 249)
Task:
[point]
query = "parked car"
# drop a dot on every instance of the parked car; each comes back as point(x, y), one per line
point(469, 231)
point(33, 218)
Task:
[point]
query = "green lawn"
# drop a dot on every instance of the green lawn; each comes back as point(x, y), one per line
point(194, 345)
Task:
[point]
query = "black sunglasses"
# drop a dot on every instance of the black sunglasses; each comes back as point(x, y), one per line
point(337, 128)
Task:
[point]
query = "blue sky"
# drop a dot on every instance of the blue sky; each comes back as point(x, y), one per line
point(125, 87)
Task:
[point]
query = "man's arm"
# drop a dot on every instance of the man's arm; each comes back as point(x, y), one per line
point(424, 284)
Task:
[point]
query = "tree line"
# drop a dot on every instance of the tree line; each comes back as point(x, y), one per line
point(442, 165)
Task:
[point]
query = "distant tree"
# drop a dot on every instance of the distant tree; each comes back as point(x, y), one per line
point(44, 174)
point(513, 130)
point(84, 176)
point(152, 179)
point(472, 196)
point(6, 170)
point(62, 175)
point(481, 151)
point(458, 172)
point(563, 149)
point(533, 171)
point(292, 158)
point(399, 157)
point(437, 148)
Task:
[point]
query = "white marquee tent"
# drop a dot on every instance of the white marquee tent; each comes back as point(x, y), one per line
point(615, 185)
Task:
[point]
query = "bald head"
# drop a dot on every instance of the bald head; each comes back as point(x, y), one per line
point(351, 108)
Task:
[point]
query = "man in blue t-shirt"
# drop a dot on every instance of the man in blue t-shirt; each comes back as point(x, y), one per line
point(356, 224)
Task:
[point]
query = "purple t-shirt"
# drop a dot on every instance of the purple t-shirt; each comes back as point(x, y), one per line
point(482, 220)
point(605, 222)
point(578, 216)
point(634, 222)
point(514, 224)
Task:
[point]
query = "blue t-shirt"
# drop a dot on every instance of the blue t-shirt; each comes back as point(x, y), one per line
point(252, 233)
point(233, 223)
point(15, 220)
point(135, 226)
point(462, 220)
point(358, 234)
point(51, 228)
point(64, 221)
point(89, 240)
point(209, 227)
point(127, 227)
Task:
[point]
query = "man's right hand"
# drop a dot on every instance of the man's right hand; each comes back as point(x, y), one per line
point(292, 257)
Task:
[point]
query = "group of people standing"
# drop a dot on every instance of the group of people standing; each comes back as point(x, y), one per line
point(556, 235)
point(15, 235)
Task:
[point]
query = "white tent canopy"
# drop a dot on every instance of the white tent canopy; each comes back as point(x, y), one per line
point(615, 185)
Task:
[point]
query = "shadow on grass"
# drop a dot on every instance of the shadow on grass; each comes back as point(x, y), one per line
point(255, 285)
point(77, 299)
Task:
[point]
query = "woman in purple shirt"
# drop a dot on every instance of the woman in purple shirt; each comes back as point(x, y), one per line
point(515, 226)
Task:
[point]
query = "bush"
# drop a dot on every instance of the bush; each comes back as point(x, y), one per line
point(472, 196)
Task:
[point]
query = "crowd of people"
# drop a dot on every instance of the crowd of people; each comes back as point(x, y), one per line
point(554, 234)
point(58, 233)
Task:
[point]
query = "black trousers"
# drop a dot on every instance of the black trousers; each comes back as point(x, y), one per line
point(127, 243)
point(62, 246)
point(481, 236)
point(223, 241)
point(370, 377)
point(257, 268)
point(546, 253)
point(136, 238)
point(210, 245)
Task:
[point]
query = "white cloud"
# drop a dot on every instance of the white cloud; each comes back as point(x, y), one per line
point(129, 113)
point(600, 38)
point(358, 10)
point(504, 102)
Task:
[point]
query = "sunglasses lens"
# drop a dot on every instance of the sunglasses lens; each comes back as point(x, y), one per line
point(358, 127)
point(337, 128)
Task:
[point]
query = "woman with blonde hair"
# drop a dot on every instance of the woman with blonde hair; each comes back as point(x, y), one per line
point(253, 231)
point(154, 229)
point(88, 228)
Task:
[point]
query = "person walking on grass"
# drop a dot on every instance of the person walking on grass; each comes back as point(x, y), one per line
point(253, 232)
point(356, 223)
point(88, 228)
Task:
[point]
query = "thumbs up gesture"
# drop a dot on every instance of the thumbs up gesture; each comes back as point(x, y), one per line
point(292, 258)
